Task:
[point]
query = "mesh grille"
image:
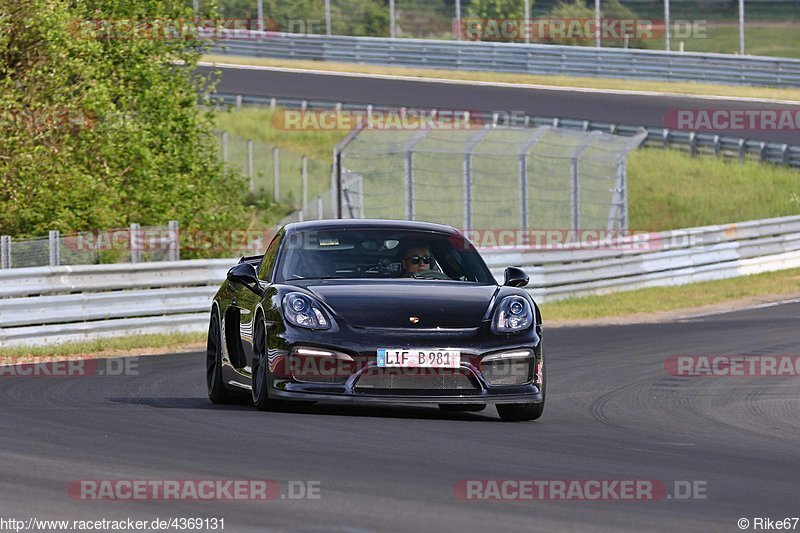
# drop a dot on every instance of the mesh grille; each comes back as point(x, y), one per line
point(507, 371)
point(415, 379)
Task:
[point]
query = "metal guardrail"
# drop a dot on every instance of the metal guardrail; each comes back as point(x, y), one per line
point(521, 58)
point(738, 148)
point(46, 305)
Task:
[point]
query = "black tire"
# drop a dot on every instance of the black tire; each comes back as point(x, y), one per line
point(521, 412)
point(260, 374)
point(462, 407)
point(217, 392)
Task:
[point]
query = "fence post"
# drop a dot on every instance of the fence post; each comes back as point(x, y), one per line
point(575, 178)
point(276, 172)
point(55, 248)
point(304, 183)
point(409, 171)
point(467, 171)
point(5, 251)
point(224, 146)
point(174, 242)
point(134, 241)
point(250, 165)
point(523, 173)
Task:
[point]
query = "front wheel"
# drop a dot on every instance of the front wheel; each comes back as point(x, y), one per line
point(260, 376)
point(521, 412)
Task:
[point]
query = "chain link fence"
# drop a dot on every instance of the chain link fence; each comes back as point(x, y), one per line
point(491, 178)
point(135, 244)
point(278, 173)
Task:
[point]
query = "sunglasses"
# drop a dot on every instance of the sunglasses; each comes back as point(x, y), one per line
point(416, 259)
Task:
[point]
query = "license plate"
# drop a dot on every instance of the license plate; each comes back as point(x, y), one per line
point(419, 358)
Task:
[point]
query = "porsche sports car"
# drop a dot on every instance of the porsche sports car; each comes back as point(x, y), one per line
point(376, 311)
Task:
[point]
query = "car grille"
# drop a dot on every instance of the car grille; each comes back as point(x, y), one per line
point(508, 371)
point(416, 379)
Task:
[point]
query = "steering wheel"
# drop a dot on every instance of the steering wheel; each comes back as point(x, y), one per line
point(431, 274)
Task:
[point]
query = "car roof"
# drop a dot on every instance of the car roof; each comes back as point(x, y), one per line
point(369, 223)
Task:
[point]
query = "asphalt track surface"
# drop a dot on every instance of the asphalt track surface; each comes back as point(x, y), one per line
point(636, 110)
point(612, 413)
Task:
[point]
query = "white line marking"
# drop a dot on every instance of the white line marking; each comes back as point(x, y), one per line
point(500, 84)
point(748, 308)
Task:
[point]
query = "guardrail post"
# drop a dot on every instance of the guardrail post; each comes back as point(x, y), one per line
point(250, 172)
point(5, 251)
point(276, 172)
point(238, 102)
point(693, 144)
point(717, 147)
point(135, 244)
point(742, 150)
point(785, 154)
point(55, 248)
point(273, 103)
point(224, 146)
point(174, 241)
point(320, 213)
point(762, 152)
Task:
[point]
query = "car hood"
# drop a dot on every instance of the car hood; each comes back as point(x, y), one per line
point(392, 304)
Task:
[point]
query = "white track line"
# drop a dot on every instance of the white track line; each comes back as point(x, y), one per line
point(499, 84)
point(747, 308)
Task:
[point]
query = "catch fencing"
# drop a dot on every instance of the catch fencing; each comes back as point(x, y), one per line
point(135, 244)
point(489, 177)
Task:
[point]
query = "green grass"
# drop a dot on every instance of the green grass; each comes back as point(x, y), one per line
point(111, 346)
point(761, 39)
point(671, 298)
point(670, 190)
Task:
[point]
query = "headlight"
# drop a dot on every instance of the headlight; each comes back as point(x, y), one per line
point(302, 311)
point(513, 315)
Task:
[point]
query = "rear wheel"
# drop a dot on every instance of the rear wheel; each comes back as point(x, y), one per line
point(216, 389)
point(520, 412)
point(260, 376)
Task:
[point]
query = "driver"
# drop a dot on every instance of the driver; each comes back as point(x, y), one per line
point(415, 258)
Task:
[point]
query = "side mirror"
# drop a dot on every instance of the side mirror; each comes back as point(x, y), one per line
point(245, 274)
point(515, 277)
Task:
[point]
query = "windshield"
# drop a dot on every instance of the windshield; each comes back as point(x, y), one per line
point(370, 253)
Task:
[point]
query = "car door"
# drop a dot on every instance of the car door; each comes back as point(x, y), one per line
point(248, 301)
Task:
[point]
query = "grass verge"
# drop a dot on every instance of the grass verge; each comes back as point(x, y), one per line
point(115, 346)
point(658, 299)
point(669, 189)
point(552, 81)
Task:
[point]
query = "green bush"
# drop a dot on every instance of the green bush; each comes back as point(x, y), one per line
point(102, 127)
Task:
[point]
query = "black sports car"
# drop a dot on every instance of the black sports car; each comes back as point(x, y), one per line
point(376, 311)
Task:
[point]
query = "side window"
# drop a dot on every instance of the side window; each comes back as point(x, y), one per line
point(270, 256)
